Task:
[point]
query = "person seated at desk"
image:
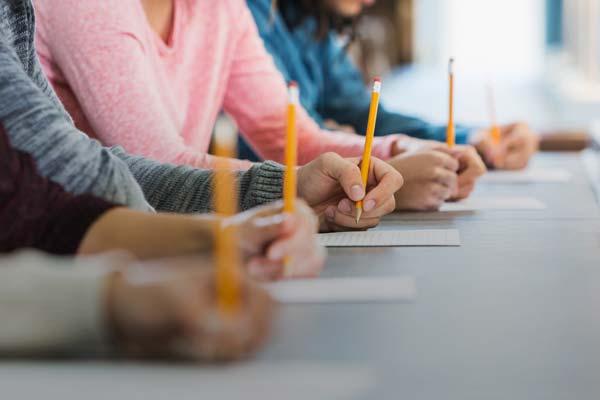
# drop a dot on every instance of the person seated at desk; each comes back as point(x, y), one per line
point(37, 213)
point(303, 36)
point(111, 304)
point(38, 125)
point(152, 76)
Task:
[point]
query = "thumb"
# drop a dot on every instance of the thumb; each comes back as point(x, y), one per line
point(267, 229)
point(347, 174)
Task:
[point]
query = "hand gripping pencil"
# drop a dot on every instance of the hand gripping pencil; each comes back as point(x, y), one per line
point(366, 160)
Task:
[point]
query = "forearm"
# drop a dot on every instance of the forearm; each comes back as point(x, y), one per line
point(183, 189)
point(53, 305)
point(149, 236)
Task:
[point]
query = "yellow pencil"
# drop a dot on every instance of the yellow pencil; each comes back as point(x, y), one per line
point(495, 131)
point(450, 130)
point(227, 257)
point(291, 153)
point(366, 160)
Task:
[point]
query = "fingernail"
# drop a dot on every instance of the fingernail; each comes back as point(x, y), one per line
point(330, 212)
point(254, 269)
point(345, 206)
point(357, 192)
point(369, 205)
point(276, 254)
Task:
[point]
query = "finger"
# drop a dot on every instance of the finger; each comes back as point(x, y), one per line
point(473, 166)
point(444, 177)
point(348, 208)
point(442, 192)
point(464, 191)
point(263, 269)
point(342, 222)
point(447, 158)
point(516, 160)
point(386, 181)
point(347, 173)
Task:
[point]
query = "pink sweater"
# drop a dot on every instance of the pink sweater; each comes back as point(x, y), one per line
point(124, 86)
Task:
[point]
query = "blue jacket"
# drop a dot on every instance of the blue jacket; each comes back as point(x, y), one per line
point(331, 87)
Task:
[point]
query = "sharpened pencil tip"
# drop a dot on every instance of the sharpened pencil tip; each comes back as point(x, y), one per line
point(358, 215)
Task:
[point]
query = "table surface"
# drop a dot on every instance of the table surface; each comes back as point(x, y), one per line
point(514, 313)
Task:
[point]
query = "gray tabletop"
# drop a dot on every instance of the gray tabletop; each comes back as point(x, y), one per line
point(514, 313)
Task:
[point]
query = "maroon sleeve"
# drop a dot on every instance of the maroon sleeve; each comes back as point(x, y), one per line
point(35, 212)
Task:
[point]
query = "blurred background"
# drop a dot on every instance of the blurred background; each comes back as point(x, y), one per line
point(539, 58)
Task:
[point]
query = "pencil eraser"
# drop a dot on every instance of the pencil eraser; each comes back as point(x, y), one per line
point(293, 84)
point(377, 79)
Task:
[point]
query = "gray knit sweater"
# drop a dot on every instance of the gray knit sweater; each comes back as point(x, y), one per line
point(38, 124)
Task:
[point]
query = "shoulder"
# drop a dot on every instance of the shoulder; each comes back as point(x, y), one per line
point(82, 17)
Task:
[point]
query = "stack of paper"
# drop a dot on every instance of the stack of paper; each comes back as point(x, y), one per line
point(344, 290)
point(430, 237)
point(530, 175)
point(494, 203)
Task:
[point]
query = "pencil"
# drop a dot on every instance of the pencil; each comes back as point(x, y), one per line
point(495, 132)
point(366, 160)
point(450, 130)
point(291, 154)
point(227, 257)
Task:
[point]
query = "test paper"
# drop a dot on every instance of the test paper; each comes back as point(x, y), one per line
point(385, 238)
point(530, 175)
point(494, 203)
point(344, 290)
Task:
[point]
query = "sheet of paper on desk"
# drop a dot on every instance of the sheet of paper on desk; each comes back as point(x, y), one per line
point(424, 237)
point(494, 203)
point(530, 175)
point(344, 290)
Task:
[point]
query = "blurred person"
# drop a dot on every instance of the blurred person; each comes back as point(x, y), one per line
point(152, 76)
point(304, 38)
point(38, 125)
point(37, 213)
point(87, 306)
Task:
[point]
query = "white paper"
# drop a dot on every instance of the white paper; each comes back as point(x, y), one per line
point(494, 203)
point(530, 175)
point(424, 237)
point(344, 290)
point(254, 380)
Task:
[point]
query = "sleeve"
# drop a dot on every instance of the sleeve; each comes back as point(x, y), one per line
point(51, 306)
point(347, 101)
point(38, 213)
point(182, 189)
point(256, 98)
point(62, 153)
point(106, 66)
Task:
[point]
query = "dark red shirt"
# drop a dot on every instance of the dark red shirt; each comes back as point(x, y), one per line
point(36, 212)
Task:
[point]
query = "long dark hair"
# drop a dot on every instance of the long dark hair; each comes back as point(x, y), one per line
point(295, 12)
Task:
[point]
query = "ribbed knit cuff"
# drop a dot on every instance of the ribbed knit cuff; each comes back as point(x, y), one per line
point(261, 184)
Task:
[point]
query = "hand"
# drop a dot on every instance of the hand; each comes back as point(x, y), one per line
point(409, 145)
point(267, 237)
point(517, 146)
point(471, 167)
point(331, 185)
point(167, 309)
point(334, 126)
point(430, 178)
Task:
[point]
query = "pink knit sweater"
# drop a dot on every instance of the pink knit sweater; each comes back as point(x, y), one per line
point(125, 86)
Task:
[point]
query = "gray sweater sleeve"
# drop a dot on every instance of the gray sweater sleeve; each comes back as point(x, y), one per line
point(184, 189)
point(64, 155)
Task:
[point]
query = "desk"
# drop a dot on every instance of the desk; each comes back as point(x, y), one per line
point(514, 313)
